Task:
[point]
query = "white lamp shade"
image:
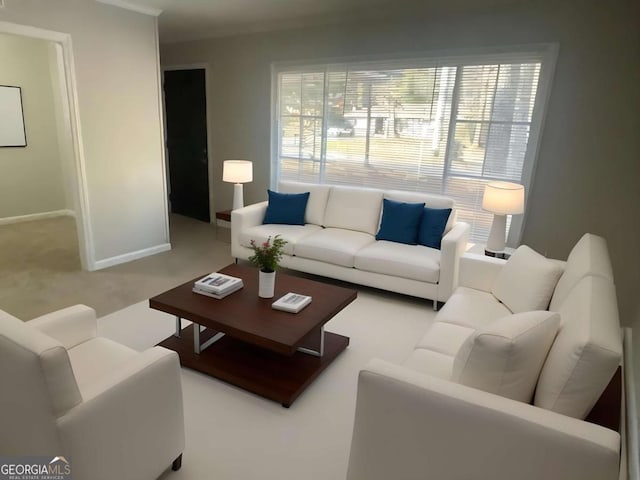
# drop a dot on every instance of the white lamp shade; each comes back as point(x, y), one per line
point(503, 198)
point(237, 171)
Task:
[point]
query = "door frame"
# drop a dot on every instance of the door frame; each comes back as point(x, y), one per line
point(69, 96)
point(191, 66)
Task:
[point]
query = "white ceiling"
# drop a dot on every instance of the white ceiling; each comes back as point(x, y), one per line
point(183, 20)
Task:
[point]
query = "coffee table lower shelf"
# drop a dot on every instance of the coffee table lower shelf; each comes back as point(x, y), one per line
point(277, 377)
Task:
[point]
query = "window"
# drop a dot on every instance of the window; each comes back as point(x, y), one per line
point(437, 125)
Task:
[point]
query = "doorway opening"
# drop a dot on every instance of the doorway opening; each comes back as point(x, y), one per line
point(59, 140)
point(187, 152)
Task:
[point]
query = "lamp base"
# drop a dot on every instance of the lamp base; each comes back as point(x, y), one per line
point(495, 243)
point(238, 200)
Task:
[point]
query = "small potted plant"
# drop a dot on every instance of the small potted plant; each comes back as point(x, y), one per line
point(266, 257)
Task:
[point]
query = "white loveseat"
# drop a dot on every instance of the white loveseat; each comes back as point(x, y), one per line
point(414, 421)
point(338, 240)
point(112, 411)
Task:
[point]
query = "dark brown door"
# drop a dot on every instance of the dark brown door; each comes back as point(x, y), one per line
point(186, 116)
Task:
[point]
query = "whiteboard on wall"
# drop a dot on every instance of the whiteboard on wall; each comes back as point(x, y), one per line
point(12, 132)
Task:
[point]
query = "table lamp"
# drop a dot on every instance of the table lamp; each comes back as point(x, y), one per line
point(501, 199)
point(237, 172)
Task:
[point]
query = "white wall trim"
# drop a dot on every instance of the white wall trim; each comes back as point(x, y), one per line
point(630, 409)
point(128, 257)
point(154, 12)
point(163, 137)
point(37, 216)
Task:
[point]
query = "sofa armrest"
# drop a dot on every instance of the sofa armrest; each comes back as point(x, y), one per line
point(409, 425)
point(243, 218)
point(452, 248)
point(132, 420)
point(479, 271)
point(70, 326)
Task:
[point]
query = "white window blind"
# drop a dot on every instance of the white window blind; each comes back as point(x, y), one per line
point(436, 125)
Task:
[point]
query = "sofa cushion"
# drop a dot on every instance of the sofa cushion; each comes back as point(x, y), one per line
point(400, 221)
point(471, 308)
point(506, 356)
point(286, 208)
point(429, 200)
point(291, 233)
point(399, 260)
point(447, 338)
point(332, 245)
point(431, 363)
point(588, 257)
point(586, 352)
point(432, 224)
point(355, 209)
point(318, 195)
point(527, 281)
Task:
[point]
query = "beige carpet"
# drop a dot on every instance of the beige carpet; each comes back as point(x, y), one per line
point(40, 267)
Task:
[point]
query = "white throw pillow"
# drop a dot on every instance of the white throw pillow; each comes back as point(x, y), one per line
point(506, 356)
point(527, 281)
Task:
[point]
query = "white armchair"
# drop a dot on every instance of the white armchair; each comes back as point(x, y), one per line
point(65, 391)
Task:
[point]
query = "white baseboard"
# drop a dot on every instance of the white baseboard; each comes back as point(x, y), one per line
point(37, 216)
point(128, 257)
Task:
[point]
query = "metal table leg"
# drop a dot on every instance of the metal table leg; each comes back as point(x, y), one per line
point(315, 353)
point(178, 327)
point(199, 347)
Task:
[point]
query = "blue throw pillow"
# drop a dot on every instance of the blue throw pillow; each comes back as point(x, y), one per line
point(432, 226)
point(286, 208)
point(400, 222)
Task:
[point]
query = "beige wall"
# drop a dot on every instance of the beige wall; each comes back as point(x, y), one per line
point(588, 172)
point(31, 179)
point(116, 69)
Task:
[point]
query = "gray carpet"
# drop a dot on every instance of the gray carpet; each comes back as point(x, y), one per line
point(40, 267)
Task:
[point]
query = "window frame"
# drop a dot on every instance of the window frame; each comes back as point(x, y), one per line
point(547, 53)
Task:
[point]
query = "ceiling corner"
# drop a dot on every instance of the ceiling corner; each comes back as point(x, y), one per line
point(131, 6)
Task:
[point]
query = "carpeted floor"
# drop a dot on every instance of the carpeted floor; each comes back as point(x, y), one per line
point(232, 434)
point(40, 267)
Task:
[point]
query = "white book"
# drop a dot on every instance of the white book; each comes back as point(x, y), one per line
point(291, 302)
point(219, 283)
point(199, 291)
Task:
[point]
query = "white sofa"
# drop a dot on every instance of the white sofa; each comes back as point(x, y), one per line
point(414, 421)
point(112, 411)
point(338, 241)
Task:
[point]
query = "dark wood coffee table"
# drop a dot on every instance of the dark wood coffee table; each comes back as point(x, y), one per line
point(248, 344)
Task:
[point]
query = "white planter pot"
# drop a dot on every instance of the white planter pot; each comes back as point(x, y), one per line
point(266, 284)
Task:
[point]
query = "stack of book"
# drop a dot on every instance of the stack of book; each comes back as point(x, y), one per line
point(217, 285)
point(291, 302)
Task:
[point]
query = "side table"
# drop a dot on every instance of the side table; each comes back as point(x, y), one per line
point(505, 254)
point(223, 220)
point(479, 249)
